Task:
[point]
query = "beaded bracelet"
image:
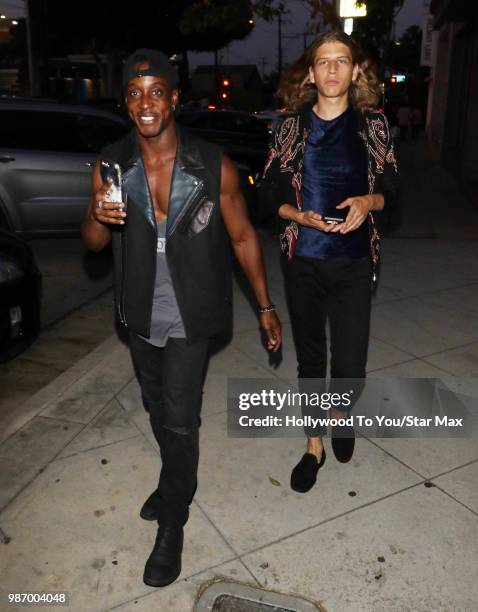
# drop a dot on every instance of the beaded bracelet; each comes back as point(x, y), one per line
point(269, 308)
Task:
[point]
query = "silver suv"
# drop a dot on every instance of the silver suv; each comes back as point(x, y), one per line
point(46, 152)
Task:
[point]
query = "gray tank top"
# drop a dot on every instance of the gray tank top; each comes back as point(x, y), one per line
point(166, 319)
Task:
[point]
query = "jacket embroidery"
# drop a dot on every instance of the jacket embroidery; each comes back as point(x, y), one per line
point(286, 156)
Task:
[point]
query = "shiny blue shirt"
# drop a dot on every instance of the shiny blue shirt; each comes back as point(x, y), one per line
point(335, 168)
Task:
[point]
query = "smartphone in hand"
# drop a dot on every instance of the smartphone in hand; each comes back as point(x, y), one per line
point(111, 171)
point(332, 219)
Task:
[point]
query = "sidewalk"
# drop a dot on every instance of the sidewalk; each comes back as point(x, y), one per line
point(372, 536)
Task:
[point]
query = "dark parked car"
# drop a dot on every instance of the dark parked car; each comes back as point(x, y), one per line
point(242, 136)
point(271, 118)
point(20, 296)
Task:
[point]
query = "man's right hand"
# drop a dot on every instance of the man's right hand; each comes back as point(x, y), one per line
point(310, 218)
point(108, 212)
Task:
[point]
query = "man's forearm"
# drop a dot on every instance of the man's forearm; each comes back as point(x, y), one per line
point(95, 235)
point(249, 254)
point(289, 212)
point(377, 201)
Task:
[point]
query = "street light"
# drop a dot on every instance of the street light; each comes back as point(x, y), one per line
point(352, 8)
point(348, 11)
point(225, 91)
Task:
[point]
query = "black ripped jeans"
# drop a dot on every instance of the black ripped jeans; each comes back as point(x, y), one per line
point(171, 381)
point(340, 292)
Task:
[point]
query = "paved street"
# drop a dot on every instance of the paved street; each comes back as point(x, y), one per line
point(394, 530)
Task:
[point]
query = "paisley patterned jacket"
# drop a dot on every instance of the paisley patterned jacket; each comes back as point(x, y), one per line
point(282, 178)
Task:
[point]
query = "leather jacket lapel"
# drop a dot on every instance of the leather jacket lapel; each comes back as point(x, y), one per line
point(188, 181)
point(188, 184)
point(135, 185)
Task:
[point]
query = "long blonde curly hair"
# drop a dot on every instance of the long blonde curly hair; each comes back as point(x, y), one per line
point(296, 89)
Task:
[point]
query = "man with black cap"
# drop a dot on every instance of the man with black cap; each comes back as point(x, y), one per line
point(182, 206)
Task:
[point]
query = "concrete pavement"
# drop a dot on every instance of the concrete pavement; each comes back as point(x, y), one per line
point(393, 530)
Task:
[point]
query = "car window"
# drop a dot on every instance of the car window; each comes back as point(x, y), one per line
point(55, 131)
point(38, 130)
point(221, 121)
point(97, 132)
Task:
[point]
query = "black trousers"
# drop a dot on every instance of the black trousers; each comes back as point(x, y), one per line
point(340, 292)
point(171, 381)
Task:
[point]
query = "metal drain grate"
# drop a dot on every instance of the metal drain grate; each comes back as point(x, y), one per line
point(230, 603)
point(226, 596)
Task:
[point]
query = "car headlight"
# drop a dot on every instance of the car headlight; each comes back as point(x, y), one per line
point(10, 271)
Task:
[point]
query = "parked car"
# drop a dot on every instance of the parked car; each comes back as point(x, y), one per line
point(46, 152)
point(20, 296)
point(242, 136)
point(271, 118)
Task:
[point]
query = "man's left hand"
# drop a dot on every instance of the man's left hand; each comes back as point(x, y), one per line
point(359, 207)
point(271, 325)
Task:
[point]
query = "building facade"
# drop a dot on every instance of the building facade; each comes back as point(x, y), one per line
point(452, 119)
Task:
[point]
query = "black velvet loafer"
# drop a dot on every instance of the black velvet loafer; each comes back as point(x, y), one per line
point(343, 442)
point(150, 509)
point(304, 475)
point(164, 563)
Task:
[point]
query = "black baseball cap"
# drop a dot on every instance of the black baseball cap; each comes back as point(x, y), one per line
point(158, 65)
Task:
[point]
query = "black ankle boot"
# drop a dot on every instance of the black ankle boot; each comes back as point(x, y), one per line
point(304, 474)
point(150, 509)
point(164, 563)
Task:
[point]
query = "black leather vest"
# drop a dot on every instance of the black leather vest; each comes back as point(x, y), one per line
point(197, 245)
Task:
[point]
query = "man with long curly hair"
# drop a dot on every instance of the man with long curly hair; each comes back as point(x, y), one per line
point(330, 166)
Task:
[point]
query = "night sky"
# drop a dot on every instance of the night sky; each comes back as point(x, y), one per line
point(262, 43)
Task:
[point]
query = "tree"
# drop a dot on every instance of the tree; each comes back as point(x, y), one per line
point(374, 31)
point(209, 25)
point(405, 55)
point(321, 11)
